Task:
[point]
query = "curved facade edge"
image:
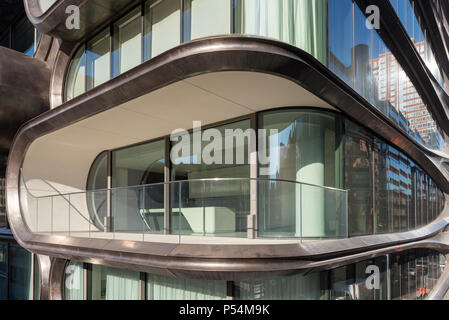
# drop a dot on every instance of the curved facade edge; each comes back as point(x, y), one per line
point(203, 56)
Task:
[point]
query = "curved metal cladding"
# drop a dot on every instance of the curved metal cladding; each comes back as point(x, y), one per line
point(93, 14)
point(24, 91)
point(230, 53)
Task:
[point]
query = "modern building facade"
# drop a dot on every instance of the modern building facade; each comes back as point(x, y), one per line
point(23, 95)
point(230, 149)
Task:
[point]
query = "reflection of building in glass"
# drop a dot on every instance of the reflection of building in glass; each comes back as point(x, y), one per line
point(396, 88)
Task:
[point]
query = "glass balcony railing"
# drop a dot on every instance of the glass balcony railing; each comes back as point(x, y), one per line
point(192, 211)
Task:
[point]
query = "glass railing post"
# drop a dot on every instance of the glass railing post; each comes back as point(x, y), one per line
point(37, 214)
point(143, 213)
point(300, 212)
point(89, 219)
point(179, 211)
point(69, 213)
point(51, 221)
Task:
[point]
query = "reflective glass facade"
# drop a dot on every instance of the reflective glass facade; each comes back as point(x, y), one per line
point(387, 191)
point(406, 13)
point(19, 273)
point(408, 275)
point(95, 282)
point(333, 31)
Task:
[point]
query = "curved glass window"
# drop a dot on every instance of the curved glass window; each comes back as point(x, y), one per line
point(333, 31)
point(113, 284)
point(139, 165)
point(387, 191)
point(310, 151)
point(165, 288)
point(162, 24)
point(76, 75)
point(127, 42)
point(97, 180)
point(409, 275)
point(299, 23)
point(406, 13)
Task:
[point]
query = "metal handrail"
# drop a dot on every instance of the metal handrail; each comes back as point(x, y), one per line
point(188, 181)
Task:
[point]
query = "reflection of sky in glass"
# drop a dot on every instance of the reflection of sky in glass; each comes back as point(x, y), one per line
point(30, 51)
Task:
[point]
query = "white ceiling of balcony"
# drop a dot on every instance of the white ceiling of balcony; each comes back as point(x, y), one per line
point(208, 98)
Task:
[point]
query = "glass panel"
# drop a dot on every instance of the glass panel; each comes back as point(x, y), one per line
point(341, 39)
point(126, 214)
point(19, 276)
point(165, 288)
point(413, 198)
point(225, 155)
point(114, 284)
point(98, 180)
point(127, 42)
point(211, 208)
point(405, 12)
point(76, 75)
point(37, 279)
point(74, 281)
point(303, 146)
point(419, 203)
point(202, 18)
point(358, 172)
point(162, 26)
point(404, 172)
point(366, 274)
point(292, 287)
point(139, 165)
point(395, 193)
point(362, 57)
point(381, 186)
point(138, 209)
point(395, 272)
point(98, 60)
point(302, 23)
point(342, 283)
point(425, 194)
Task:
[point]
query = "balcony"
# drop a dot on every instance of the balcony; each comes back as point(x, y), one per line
point(206, 211)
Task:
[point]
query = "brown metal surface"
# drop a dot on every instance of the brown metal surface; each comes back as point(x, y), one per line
point(24, 92)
